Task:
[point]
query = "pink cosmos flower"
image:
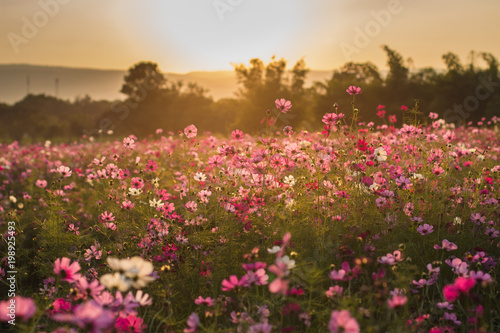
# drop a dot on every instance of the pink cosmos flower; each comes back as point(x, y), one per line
point(391, 258)
point(425, 229)
point(107, 217)
point(446, 245)
point(89, 315)
point(215, 160)
point(17, 307)
point(208, 301)
point(137, 182)
point(397, 300)
point(288, 130)
point(152, 166)
point(191, 131)
point(353, 90)
point(192, 322)
point(381, 113)
point(341, 321)
point(93, 288)
point(334, 291)
point(67, 271)
point(128, 204)
point(64, 171)
point(41, 183)
point(283, 105)
point(233, 282)
point(260, 328)
point(392, 119)
point(445, 305)
point(129, 143)
point(279, 285)
point(482, 277)
point(237, 134)
point(259, 277)
point(330, 118)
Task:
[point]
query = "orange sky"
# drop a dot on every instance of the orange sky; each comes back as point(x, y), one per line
point(189, 35)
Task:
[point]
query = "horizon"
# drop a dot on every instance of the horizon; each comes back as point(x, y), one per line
point(383, 69)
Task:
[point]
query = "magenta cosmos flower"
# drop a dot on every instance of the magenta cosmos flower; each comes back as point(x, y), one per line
point(283, 105)
point(353, 90)
point(341, 321)
point(68, 272)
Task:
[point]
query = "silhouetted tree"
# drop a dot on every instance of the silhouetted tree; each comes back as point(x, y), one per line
point(142, 78)
point(398, 73)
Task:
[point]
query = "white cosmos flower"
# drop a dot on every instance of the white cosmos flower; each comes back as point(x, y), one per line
point(133, 272)
point(200, 177)
point(156, 203)
point(274, 250)
point(134, 191)
point(290, 180)
point(115, 280)
point(286, 260)
point(142, 298)
point(380, 154)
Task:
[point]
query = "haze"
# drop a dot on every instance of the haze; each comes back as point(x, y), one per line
point(190, 35)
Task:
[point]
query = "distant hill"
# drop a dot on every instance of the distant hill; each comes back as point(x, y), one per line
point(104, 84)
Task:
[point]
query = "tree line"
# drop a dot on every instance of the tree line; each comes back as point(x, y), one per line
point(460, 94)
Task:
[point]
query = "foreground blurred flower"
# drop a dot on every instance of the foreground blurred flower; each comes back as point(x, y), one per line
point(461, 285)
point(341, 321)
point(67, 271)
point(283, 105)
point(353, 90)
point(135, 272)
point(89, 315)
point(192, 322)
point(446, 245)
point(17, 307)
point(397, 300)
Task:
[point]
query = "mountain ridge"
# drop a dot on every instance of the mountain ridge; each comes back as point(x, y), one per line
point(16, 80)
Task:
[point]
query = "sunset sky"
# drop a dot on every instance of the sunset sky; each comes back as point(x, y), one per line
point(191, 35)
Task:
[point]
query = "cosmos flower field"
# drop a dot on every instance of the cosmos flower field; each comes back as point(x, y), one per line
point(352, 228)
